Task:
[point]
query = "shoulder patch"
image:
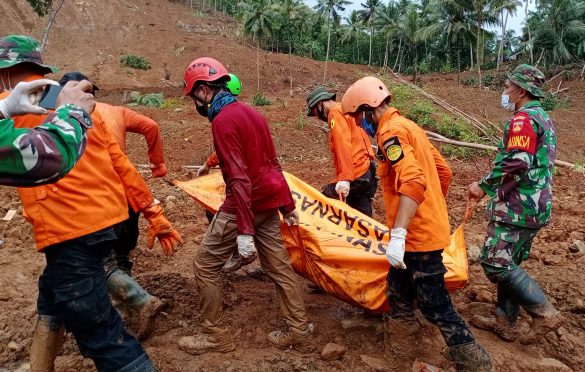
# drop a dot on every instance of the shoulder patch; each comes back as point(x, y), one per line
point(393, 150)
point(521, 134)
point(332, 123)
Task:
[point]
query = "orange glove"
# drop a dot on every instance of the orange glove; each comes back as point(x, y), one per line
point(159, 227)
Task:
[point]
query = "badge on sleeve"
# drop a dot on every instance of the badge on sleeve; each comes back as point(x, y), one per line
point(332, 123)
point(521, 134)
point(393, 150)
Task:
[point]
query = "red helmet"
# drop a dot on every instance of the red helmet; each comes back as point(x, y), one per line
point(203, 69)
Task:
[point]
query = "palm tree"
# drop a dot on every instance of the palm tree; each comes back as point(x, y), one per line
point(505, 8)
point(408, 29)
point(485, 16)
point(387, 21)
point(330, 9)
point(352, 32)
point(258, 18)
point(367, 15)
point(289, 10)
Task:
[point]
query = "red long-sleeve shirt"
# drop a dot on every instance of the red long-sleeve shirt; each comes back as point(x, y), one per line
point(247, 158)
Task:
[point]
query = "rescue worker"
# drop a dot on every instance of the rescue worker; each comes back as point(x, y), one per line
point(256, 191)
point(74, 224)
point(32, 157)
point(415, 179)
point(128, 294)
point(235, 261)
point(355, 180)
point(520, 191)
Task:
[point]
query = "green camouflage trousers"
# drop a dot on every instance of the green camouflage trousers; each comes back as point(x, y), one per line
point(505, 247)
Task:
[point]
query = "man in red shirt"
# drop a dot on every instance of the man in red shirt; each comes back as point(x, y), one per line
point(256, 191)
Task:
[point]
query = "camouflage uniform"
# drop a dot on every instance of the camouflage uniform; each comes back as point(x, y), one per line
point(521, 197)
point(32, 157)
point(520, 184)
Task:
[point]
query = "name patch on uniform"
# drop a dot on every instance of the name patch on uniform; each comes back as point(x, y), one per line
point(522, 136)
point(393, 150)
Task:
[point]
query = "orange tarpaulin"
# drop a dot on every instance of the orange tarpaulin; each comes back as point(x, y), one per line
point(336, 247)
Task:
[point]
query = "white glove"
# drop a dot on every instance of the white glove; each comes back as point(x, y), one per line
point(292, 218)
point(24, 97)
point(395, 248)
point(342, 188)
point(246, 247)
point(203, 170)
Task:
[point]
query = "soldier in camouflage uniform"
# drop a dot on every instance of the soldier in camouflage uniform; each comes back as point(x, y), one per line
point(520, 188)
point(31, 157)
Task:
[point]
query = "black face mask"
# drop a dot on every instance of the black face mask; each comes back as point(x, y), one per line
point(321, 113)
point(202, 110)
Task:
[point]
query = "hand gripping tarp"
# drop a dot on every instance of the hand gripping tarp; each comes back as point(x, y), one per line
point(336, 247)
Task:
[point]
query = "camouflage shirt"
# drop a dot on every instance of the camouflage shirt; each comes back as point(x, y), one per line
point(520, 184)
point(32, 157)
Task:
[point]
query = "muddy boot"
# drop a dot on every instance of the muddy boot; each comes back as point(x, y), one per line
point(147, 316)
point(48, 338)
point(401, 338)
point(236, 261)
point(207, 343)
point(129, 295)
point(287, 337)
point(470, 357)
point(504, 324)
point(528, 294)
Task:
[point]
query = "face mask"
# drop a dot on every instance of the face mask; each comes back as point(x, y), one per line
point(506, 104)
point(321, 113)
point(202, 110)
point(369, 127)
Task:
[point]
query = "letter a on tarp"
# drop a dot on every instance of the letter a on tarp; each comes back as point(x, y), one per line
point(336, 247)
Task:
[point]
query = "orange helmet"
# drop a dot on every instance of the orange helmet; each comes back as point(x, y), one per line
point(369, 91)
point(203, 69)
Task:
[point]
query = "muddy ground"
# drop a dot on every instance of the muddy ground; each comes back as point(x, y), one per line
point(102, 33)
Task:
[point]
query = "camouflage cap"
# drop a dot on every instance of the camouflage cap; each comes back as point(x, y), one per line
point(15, 49)
point(529, 78)
point(318, 94)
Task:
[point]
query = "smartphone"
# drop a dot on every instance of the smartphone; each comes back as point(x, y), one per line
point(49, 97)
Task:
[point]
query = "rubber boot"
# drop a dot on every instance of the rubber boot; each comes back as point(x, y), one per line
point(528, 294)
point(48, 338)
point(401, 341)
point(505, 323)
point(128, 293)
point(470, 357)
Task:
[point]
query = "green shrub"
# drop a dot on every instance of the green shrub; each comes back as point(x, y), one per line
point(488, 80)
point(137, 62)
point(149, 100)
point(553, 101)
point(172, 103)
point(260, 100)
point(469, 81)
point(300, 121)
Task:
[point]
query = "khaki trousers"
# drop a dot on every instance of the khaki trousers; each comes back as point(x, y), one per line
point(219, 242)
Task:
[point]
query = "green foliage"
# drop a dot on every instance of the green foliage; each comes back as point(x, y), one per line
point(172, 103)
point(41, 7)
point(553, 101)
point(149, 100)
point(301, 120)
point(429, 116)
point(136, 62)
point(260, 100)
point(470, 81)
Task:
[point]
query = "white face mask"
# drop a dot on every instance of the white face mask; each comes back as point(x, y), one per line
point(506, 104)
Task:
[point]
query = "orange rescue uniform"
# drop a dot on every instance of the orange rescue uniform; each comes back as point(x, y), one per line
point(121, 120)
point(94, 195)
point(349, 145)
point(413, 167)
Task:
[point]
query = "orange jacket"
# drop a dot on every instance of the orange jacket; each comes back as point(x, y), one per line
point(93, 196)
point(349, 144)
point(121, 120)
point(413, 167)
